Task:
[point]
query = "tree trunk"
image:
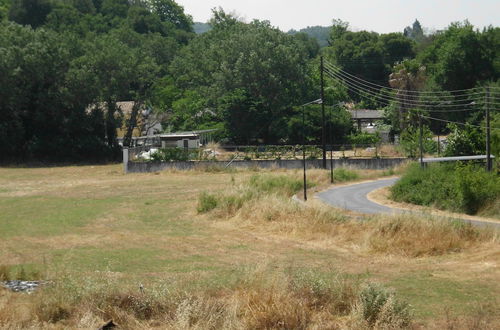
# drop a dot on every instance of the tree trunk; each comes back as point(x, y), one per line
point(131, 123)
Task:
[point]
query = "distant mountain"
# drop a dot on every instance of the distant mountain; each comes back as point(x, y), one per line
point(320, 33)
point(200, 28)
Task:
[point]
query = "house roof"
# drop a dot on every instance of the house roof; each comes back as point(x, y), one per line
point(188, 134)
point(366, 114)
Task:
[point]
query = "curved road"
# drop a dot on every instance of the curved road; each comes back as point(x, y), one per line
point(354, 198)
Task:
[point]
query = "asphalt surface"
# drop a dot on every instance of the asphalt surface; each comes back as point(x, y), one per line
point(353, 197)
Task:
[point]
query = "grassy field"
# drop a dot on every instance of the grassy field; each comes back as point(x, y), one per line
point(104, 238)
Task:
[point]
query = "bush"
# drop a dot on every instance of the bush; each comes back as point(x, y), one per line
point(282, 184)
point(464, 141)
point(207, 202)
point(410, 141)
point(343, 175)
point(364, 139)
point(462, 188)
point(174, 154)
point(380, 308)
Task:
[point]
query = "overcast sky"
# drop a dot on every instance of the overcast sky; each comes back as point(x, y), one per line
point(374, 15)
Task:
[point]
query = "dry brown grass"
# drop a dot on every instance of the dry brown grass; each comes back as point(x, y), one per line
point(482, 316)
point(264, 298)
point(416, 236)
point(191, 265)
point(404, 235)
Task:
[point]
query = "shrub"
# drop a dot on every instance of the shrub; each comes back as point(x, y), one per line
point(462, 188)
point(364, 139)
point(410, 141)
point(207, 202)
point(282, 184)
point(464, 141)
point(343, 175)
point(174, 154)
point(380, 308)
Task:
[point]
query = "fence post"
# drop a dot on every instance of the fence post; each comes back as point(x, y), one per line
point(125, 160)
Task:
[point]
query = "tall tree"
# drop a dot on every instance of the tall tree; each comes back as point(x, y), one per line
point(30, 12)
point(414, 32)
point(171, 11)
point(250, 75)
point(462, 56)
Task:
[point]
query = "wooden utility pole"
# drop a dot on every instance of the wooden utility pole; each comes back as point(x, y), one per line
point(489, 165)
point(421, 143)
point(323, 130)
point(304, 150)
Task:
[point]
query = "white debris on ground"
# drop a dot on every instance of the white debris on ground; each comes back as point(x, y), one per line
point(22, 286)
point(211, 153)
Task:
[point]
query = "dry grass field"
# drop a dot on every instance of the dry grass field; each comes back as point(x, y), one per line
point(139, 250)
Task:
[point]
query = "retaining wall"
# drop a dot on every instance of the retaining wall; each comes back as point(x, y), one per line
point(370, 163)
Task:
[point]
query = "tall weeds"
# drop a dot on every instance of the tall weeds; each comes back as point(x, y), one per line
point(265, 202)
point(263, 298)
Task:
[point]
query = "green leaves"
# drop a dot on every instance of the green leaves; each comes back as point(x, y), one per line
point(249, 74)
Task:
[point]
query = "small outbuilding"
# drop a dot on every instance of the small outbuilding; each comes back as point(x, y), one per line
point(184, 140)
point(366, 118)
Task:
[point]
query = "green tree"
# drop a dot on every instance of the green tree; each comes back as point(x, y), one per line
point(461, 56)
point(495, 134)
point(240, 68)
point(43, 105)
point(170, 11)
point(117, 73)
point(410, 141)
point(465, 141)
point(338, 125)
point(84, 6)
point(414, 32)
point(30, 12)
point(367, 55)
point(4, 9)
point(115, 8)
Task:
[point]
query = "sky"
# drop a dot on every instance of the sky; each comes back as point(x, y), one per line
point(381, 16)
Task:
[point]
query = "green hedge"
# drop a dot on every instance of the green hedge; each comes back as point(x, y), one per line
point(454, 187)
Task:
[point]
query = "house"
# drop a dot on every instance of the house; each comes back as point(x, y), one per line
point(365, 119)
point(148, 122)
point(185, 140)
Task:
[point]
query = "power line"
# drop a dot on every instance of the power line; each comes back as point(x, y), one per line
point(360, 90)
point(404, 99)
point(357, 81)
point(420, 92)
point(459, 123)
point(366, 84)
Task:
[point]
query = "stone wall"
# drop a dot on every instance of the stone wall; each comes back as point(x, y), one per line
point(370, 163)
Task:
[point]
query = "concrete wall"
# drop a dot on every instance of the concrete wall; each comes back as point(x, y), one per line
point(371, 163)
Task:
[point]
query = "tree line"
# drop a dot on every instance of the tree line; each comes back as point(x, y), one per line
point(65, 64)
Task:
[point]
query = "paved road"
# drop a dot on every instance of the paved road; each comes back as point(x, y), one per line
point(353, 197)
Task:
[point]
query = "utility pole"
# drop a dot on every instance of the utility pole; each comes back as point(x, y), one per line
point(331, 145)
point(489, 165)
point(439, 144)
point(323, 130)
point(304, 150)
point(421, 143)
